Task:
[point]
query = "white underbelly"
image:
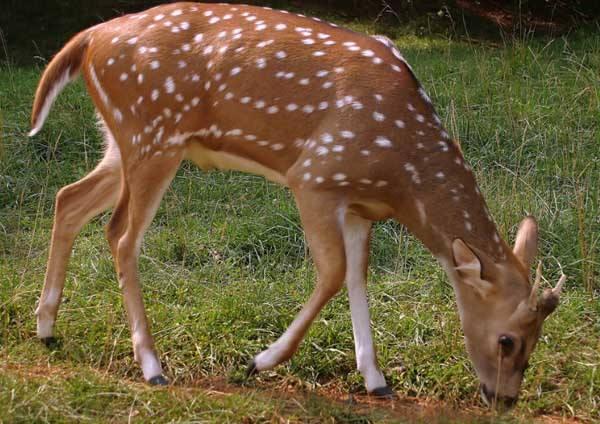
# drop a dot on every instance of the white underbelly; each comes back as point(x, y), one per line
point(210, 159)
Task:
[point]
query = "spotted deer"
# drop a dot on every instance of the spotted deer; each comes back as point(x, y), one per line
point(337, 117)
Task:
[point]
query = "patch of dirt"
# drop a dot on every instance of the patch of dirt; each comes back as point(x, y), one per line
point(38, 370)
point(296, 393)
point(403, 408)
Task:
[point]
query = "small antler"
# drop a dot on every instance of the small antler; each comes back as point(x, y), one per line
point(558, 288)
point(550, 297)
point(533, 297)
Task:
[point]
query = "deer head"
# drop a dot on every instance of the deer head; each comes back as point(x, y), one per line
point(501, 313)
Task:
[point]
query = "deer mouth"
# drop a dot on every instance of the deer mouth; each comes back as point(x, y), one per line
point(492, 400)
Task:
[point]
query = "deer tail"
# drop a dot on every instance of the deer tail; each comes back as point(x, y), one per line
point(61, 70)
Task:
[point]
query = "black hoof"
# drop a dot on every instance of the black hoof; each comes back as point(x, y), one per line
point(384, 393)
point(351, 400)
point(158, 380)
point(251, 370)
point(50, 342)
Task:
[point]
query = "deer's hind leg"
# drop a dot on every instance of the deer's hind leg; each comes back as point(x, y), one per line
point(144, 184)
point(76, 204)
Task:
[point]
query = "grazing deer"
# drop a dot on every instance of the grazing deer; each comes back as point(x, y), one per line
point(336, 116)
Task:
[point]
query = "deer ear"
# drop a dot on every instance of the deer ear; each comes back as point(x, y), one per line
point(468, 267)
point(466, 262)
point(526, 243)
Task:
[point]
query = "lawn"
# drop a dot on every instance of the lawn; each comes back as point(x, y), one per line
point(225, 267)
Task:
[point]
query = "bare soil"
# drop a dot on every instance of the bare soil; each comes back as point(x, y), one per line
point(295, 393)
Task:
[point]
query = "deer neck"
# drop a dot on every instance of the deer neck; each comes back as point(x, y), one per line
point(453, 207)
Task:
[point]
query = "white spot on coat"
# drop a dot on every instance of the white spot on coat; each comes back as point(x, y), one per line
point(378, 116)
point(383, 142)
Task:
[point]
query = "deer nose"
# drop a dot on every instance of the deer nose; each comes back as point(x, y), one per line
point(488, 396)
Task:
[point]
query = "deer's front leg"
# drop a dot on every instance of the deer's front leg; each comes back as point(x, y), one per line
point(320, 215)
point(356, 242)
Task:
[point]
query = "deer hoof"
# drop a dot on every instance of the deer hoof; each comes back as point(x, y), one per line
point(251, 370)
point(384, 393)
point(50, 342)
point(158, 380)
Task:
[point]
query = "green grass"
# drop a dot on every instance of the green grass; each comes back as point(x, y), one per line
point(225, 266)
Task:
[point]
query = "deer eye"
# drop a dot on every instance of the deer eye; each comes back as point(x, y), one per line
point(507, 344)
